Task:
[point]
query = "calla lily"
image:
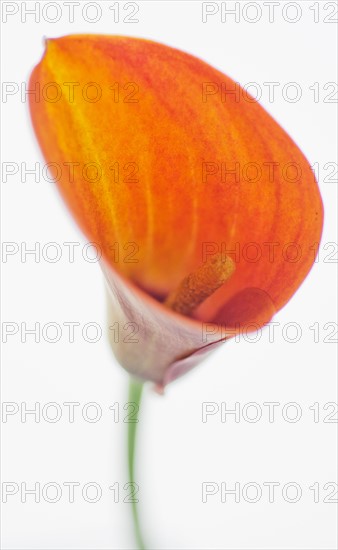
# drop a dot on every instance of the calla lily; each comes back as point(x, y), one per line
point(146, 137)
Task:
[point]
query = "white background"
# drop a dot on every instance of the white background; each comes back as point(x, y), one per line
point(177, 452)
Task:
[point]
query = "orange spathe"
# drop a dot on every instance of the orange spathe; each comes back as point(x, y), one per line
point(144, 139)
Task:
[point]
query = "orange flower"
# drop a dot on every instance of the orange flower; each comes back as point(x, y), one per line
point(206, 212)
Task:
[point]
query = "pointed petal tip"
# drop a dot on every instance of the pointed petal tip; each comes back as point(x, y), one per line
point(46, 42)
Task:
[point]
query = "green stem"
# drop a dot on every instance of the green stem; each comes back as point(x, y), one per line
point(135, 395)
